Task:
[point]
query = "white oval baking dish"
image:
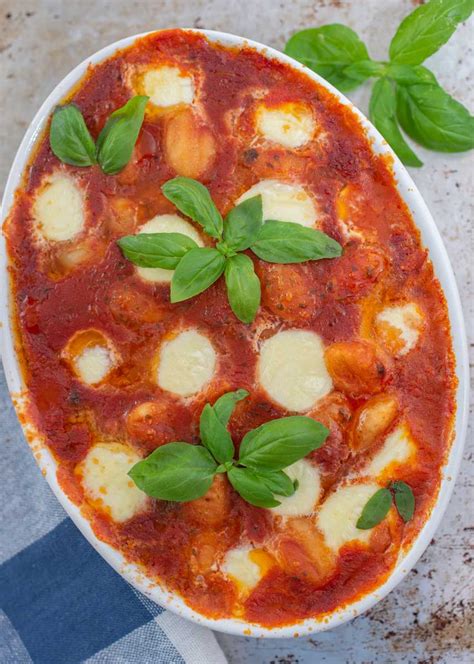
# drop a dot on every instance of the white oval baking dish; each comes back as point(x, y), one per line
point(438, 255)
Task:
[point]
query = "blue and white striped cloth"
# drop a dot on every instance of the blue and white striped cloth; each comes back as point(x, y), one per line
point(60, 602)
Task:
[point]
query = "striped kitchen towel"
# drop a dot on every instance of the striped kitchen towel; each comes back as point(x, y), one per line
point(61, 603)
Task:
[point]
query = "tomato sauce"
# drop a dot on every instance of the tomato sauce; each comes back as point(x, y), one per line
point(383, 261)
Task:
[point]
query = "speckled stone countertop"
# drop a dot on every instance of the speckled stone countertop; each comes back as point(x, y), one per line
point(429, 617)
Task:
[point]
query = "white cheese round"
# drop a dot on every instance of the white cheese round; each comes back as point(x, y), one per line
point(186, 363)
point(340, 512)
point(93, 364)
point(400, 327)
point(306, 496)
point(106, 483)
point(291, 125)
point(240, 567)
point(283, 202)
point(58, 209)
point(397, 448)
point(166, 223)
point(291, 369)
point(168, 86)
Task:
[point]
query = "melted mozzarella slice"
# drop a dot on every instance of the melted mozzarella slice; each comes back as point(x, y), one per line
point(306, 496)
point(106, 483)
point(400, 327)
point(246, 566)
point(93, 364)
point(166, 223)
point(291, 369)
point(91, 356)
point(186, 363)
point(283, 202)
point(397, 448)
point(291, 125)
point(340, 512)
point(58, 209)
point(168, 86)
point(238, 565)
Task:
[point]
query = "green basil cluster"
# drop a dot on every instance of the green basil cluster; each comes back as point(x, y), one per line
point(407, 94)
point(182, 472)
point(197, 268)
point(377, 507)
point(72, 143)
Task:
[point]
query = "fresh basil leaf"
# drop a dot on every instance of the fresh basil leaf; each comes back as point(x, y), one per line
point(119, 135)
point(224, 406)
point(279, 443)
point(434, 119)
point(243, 223)
point(249, 485)
point(69, 137)
point(277, 481)
point(215, 436)
point(193, 199)
point(375, 510)
point(163, 250)
point(196, 271)
point(382, 112)
point(243, 287)
point(404, 499)
point(328, 51)
point(286, 242)
point(428, 27)
point(365, 69)
point(410, 74)
point(176, 471)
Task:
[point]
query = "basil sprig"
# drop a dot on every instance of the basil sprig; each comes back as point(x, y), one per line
point(214, 435)
point(194, 200)
point(426, 29)
point(197, 268)
point(175, 470)
point(407, 93)
point(434, 119)
point(224, 406)
point(249, 485)
point(377, 507)
point(72, 143)
point(383, 113)
point(404, 499)
point(243, 224)
point(163, 250)
point(329, 51)
point(243, 287)
point(375, 510)
point(286, 242)
point(69, 137)
point(196, 271)
point(181, 472)
point(119, 135)
point(279, 443)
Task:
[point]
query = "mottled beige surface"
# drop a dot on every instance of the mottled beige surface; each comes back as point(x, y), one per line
point(428, 618)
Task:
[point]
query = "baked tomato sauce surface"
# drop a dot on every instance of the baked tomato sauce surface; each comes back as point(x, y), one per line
point(377, 310)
